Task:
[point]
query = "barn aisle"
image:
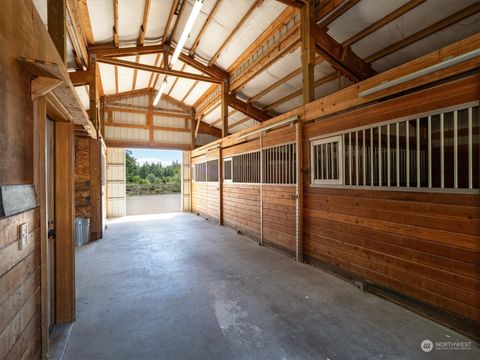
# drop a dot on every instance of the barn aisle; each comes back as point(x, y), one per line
point(175, 286)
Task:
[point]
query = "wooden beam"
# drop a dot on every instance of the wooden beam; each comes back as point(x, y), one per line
point(84, 18)
point(438, 26)
point(116, 79)
point(275, 26)
point(287, 42)
point(333, 10)
point(189, 91)
point(239, 122)
point(56, 11)
point(175, 81)
point(78, 33)
point(155, 69)
point(308, 54)
point(299, 92)
point(219, 120)
point(412, 4)
point(152, 75)
point(206, 129)
point(40, 86)
point(224, 107)
point(141, 38)
point(81, 78)
point(341, 58)
point(235, 30)
point(177, 20)
point(111, 51)
point(204, 26)
point(294, 3)
point(211, 70)
point(115, 23)
point(169, 21)
point(64, 221)
point(281, 81)
point(197, 127)
point(248, 109)
point(145, 144)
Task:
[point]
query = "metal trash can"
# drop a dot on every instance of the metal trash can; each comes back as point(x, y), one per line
point(82, 231)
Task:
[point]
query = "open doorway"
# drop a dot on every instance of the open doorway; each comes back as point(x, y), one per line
point(153, 181)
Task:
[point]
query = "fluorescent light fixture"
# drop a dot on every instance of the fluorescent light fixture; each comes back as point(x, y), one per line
point(270, 127)
point(428, 70)
point(160, 92)
point(186, 31)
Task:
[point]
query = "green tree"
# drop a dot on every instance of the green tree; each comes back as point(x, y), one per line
point(131, 166)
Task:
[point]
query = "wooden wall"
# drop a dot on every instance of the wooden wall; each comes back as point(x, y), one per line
point(22, 35)
point(424, 246)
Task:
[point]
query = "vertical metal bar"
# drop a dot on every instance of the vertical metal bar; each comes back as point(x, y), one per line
point(364, 161)
point(371, 156)
point(397, 154)
point(455, 149)
point(418, 152)
point(261, 189)
point(332, 158)
point(442, 152)
point(327, 161)
point(407, 150)
point(380, 156)
point(470, 157)
point(356, 158)
point(349, 158)
point(429, 151)
point(388, 155)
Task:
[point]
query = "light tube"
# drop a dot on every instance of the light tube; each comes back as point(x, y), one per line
point(160, 92)
point(186, 31)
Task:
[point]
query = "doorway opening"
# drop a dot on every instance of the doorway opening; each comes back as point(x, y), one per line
point(153, 181)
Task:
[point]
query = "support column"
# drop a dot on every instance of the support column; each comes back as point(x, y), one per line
point(308, 54)
point(220, 183)
point(224, 107)
point(64, 221)
point(299, 191)
point(194, 134)
point(56, 11)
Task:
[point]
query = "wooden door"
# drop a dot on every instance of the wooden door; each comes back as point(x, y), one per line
point(50, 185)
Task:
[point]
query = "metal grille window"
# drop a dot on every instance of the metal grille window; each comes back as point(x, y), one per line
point(433, 151)
point(327, 161)
point(246, 167)
point(279, 164)
point(227, 169)
point(212, 170)
point(200, 172)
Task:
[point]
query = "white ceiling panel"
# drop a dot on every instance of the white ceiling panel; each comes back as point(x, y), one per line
point(107, 74)
point(255, 25)
point(226, 18)
point(424, 15)
point(197, 91)
point(101, 18)
point(360, 16)
point(157, 20)
point(130, 17)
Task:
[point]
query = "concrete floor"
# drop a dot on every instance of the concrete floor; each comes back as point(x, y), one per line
point(175, 286)
point(153, 204)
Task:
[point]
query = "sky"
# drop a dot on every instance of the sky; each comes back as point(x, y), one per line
point(166, 157)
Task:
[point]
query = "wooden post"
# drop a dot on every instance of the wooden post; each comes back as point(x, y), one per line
point(56, 11)
point(192, 120)
point(150, 117)
point(64, 221)
point(220, 183)
point(95, 190)
point(308, 55)
point(299, 191)
point(92, 112)
point(40, 163)
point(224, 107)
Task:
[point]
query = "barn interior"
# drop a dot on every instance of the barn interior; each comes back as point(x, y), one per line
point(342, 136)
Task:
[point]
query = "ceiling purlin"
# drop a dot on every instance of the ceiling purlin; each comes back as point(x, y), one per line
point(141, 38)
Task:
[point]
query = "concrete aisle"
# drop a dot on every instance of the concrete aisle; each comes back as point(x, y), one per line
point(175, 286)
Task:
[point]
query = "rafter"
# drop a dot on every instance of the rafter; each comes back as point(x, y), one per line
point(281, 81)
point(155, 69)
point(141, 38)
point(235, 30)
point(115, 23)
point(76, 32)
point(175, 81)
point(220, 119)
point(189, 91)
point(116, 79)
point(383, 21)
point(297, 93)
point(204, 26)
point(84, 18)
point(169, 21)
point(247, 109)
point(333, 10)
point(177, 20)
point(340, 57)
point(239, 122)
point(293, 3)
point(438, 26)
